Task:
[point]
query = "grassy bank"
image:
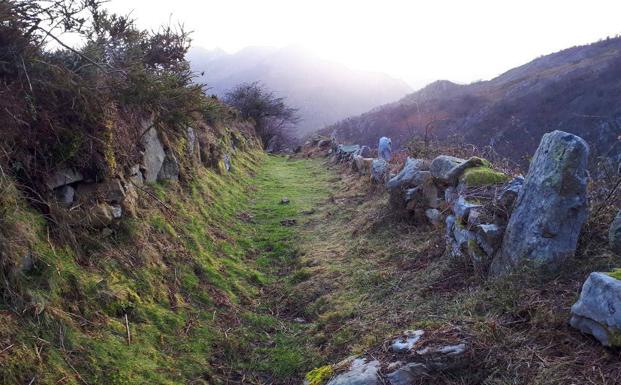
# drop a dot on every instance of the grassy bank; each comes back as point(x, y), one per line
point(171, 296)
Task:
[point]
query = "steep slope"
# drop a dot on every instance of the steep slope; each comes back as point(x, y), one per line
point(174, 295)
point(323, 91)
point(577, 90)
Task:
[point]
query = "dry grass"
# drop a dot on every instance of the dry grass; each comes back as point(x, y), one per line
point(372, 275)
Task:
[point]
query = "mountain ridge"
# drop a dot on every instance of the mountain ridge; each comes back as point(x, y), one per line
point(577, 90)
point(324, 91)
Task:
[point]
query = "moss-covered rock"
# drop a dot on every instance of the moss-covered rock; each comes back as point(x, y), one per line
point(483, 176)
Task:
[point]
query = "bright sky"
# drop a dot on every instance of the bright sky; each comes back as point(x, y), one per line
point(416, 40)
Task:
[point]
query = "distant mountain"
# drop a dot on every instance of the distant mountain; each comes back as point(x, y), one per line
point(576, 90)
point(325, 92)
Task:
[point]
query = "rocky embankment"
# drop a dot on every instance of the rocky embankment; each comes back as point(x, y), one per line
point(497, 223)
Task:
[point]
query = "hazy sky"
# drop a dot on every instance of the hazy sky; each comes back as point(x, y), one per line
point(418, 41)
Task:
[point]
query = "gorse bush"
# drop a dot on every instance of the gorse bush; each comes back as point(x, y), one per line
point(86, 107)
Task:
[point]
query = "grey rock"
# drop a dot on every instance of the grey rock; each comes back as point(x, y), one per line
point(379, 171)
point(462, 208)
point(170, 167)
point(551, 207)
point(489, 237)
point(63, 177)
point(109, 190)
point(434, 216)
point(116, 211)
point(448, 350)
point(324, 143)
point(598, 310)
point(361, 372)
point(457, 237)
point(447, 169)
point(475, 216)
point(135, 175)
point(346, 152)
point(406, 342)
point(442, 165)
point(227, 163)
point(364, 152)
point(450, 194)
point(407, 177)
point(154, 155)
point(614, 234)
point(450, 227)
point(384, 148)
point(407, 374)
point(444, 357)
point(65, 195)
point(509, 192)
point(413, 185)
point(192, 146)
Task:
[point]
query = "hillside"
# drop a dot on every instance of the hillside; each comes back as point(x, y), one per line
point(147, 238)
point(577, 90)
point(324, 92)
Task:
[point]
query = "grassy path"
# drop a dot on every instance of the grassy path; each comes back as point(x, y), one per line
point(335, 269)
point(273, 344)
point(348, 275)
point(336, 272)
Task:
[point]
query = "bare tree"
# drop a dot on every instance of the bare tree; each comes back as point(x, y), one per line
point(273, 117)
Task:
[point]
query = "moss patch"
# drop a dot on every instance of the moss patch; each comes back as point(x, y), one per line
point(483, 176)
point(616, 273)
point(319, 376)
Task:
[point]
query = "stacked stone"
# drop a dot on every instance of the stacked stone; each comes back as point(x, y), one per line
point(101, 202)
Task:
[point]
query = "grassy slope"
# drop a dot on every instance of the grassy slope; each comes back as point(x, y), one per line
point(188, 278)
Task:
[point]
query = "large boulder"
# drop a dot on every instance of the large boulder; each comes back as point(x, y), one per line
point(614, 234)
point(154, 155)
point(598, 310)
point(551, 206)
point(384, 149)
point(379, 171)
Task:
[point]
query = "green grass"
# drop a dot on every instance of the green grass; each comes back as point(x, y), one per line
point(188, 280)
